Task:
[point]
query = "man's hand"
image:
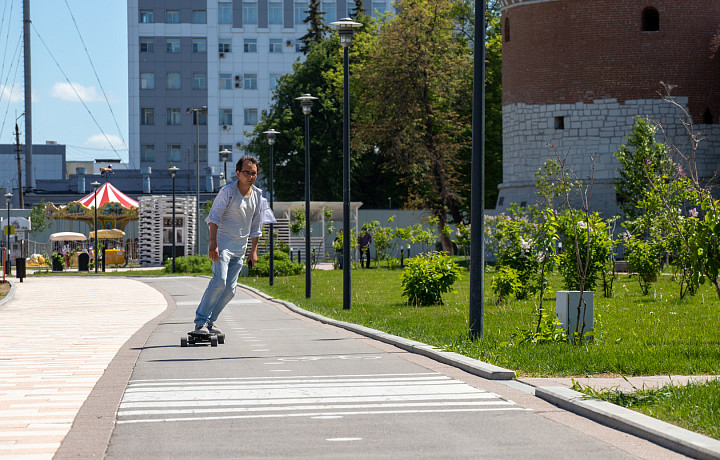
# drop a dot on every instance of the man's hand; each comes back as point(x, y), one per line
point(213, 252)
point(252, 258)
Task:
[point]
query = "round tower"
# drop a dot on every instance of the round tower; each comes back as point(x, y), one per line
point(576, 72)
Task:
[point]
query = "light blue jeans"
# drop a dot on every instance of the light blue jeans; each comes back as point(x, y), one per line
point(221, 288)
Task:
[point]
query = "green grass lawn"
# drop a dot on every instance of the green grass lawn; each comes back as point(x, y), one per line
point(634, 334)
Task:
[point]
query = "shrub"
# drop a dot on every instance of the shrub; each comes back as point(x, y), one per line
point(189, 264)
point(589, 237)
point(505, 283)
point(426, 277)
point(282, 266)
point(644, 259)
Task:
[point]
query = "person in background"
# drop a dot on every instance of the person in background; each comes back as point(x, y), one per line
point(364, 241)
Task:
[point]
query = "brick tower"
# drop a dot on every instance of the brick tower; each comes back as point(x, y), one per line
point(576, 72)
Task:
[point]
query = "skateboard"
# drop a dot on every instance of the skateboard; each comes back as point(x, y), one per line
point(196, 337)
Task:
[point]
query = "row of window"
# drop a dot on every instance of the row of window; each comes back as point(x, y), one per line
point(174, 152)
point(199, 81)
point(250, 13)
point(174, 117)
point(199, 45)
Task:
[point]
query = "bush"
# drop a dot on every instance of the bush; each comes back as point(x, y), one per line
point(505, 283)
point(427, 277)
point(189, 264)
point(282, 266)
point(592, 240)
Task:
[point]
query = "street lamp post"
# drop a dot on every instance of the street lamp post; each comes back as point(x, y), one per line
point(306, 102)
point(271, 134)
point(346, 29)
point(225, 156)
point(8, 197)
point(196, 111)
point(95, 185)
point(173, 170)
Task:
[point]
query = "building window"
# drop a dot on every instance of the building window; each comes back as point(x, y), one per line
point(507, 29)
point(147, 153)
point(147, 116)
point(274, 78)
point(199, 45)
point(225, 81)
point(222, 147)
point(250, 81)
point(226, 117)
point(199, 17)
point(147, 81)
point(378, 9)
point(250, 12)
point(146, 45)
point(173, 153)
point(199, 81)
point(224, 46)
point(199, 118)
point(276, 45)
point(330, 9)
point(250, 45)
point(146, 16)
point(350, 8)
point(224, 13)
point(298, 46)
point(708, 117)
point(251, 117)
point(275, 13)
point(172, 17)
point(173, 117)
point(650, 20)
point(203, 153)
point(559, 122)
point(173, 45)
point(173, 80)
point(300, 12)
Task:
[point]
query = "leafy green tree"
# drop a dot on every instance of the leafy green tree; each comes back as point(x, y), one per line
point(317, 29)
point(416, 106)
point(640, 156)
point(38, 218)
point(358, 10)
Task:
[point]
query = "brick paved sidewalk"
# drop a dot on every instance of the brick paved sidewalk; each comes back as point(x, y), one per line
point(58, 336)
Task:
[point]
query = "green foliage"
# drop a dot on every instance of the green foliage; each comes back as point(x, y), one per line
point(505, 283)
point(516, 250)
point(588, 247)
point(317, 28)
point(282, 266)
point(642, 155)
point(38, 218)
point(189, 264)
point(298, 222)
point(549, 330)
point(643, 256)
point(426, 277)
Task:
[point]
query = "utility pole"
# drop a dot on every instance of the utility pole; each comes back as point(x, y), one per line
point(28, 96)
point(19, 163)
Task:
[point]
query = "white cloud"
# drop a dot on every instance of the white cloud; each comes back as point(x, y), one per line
point(66, 92)
point(11, 94)
point(100, 141)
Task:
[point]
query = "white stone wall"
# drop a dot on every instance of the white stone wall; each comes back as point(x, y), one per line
point(599, 129)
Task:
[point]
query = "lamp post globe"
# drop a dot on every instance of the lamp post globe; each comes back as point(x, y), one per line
point(173, 171)
point(306, 102)
point(346, 29)
point(271, 136)
point(95, 185)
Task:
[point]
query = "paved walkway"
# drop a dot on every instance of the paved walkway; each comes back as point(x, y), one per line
point(49, 369)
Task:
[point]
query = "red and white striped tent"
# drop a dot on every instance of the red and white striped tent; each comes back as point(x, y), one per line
point(107, 193)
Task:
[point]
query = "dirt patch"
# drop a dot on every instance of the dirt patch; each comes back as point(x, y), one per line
point(4, 289)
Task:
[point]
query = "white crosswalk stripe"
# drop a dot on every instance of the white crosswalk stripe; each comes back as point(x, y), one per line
point(309, 396)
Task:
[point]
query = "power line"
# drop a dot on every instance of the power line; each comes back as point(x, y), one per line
point(76, 93)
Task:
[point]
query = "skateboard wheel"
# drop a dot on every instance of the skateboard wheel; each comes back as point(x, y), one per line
point(221, 339)
point(183, 342)
point(214, 341)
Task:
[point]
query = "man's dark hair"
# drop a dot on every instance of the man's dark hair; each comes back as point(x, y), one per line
point(249, 159)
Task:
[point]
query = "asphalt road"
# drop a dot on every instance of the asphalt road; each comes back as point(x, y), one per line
point(284, 386)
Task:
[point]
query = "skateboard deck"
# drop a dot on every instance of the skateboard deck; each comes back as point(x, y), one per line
point(194, 337)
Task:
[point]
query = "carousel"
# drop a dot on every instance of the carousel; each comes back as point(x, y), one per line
point(115, 211)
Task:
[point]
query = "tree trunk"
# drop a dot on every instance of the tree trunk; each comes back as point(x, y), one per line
point(445, 241)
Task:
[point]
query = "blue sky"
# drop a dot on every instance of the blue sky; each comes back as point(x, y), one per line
point(62, 75)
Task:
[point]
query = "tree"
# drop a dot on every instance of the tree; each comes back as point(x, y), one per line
point(358, 10)
point(38, 218)
point(416, 106)
point(317, 29)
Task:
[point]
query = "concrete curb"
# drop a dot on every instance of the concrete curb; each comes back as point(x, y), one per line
point(664, 434)
point(472, 366)
point(10, 294)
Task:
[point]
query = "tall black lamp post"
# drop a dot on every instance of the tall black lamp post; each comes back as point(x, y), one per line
point(196, 111)
point(306, 102)
point(95, 185)
point(8, 198)
point(173, 170)
point(346, 29)
point(271, 134)
point(225, 155)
